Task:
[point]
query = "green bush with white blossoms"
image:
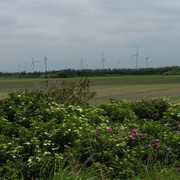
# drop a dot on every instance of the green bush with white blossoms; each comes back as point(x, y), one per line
point(118, 139)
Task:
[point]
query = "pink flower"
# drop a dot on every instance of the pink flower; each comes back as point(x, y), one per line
point(96, 130)
point(13, 169)
point(135, 160)
point(115, 129)
point(141, 134)
point(133, 134)
point(157, 146)
point(133, 137)
point(137, 133)
point(135, 130)
point(110, 128)
point(149, 145)
point(168, 149)
point(74, 160)
point(179, 125)
point(147, 134)
point(157, 140)
point(132, 171)
point(71, 154)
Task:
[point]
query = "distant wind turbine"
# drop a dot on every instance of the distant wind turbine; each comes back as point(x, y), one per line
point(45, 63)
point(147, 61)
point(137, 57)
point(81, 63)
point(103, 60)
point(25, 66)
point(33, 63)
point(120, 63)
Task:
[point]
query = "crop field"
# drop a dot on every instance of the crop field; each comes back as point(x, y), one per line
point(128, 88)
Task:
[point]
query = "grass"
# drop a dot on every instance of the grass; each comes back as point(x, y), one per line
point(130, 88)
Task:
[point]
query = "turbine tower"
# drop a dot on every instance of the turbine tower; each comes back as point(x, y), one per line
point(137, 58)
point(33, 63)
point(45, 63)
point(103, 60)
point(147, 63)
point(25, 67)
point(81, 64)
point(120, 63)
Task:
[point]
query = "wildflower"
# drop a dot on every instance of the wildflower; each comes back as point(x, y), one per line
point(147, 134)
point(140, 134)
point(132, 171)
point(137, 133)
point(13, 169)
point(168, 149)
point(135, 130)
point(149, 145)
point(157, 140)
point(133, 137)
point(135, 160)
point(179, 125)
point(96, 130)
point(133, 134)
point(74, 160)
point(115, 129)
point(110, 128)
point(157, 146)
point(71, 154)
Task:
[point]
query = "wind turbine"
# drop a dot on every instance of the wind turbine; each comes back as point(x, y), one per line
point(102, 60)
point(137, 57)
point(147, 63)
point(33, 63)
point(45, 63)
point(81, 63)
point(25, 67)
point(120, 63)
point(66, 65)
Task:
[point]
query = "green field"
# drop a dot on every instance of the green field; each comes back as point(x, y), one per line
point(128, 88)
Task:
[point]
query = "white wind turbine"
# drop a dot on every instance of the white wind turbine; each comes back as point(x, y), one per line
point(33, 62)
point(137, 57)
point(103, 60)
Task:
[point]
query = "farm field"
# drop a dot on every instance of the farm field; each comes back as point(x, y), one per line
point(128, 88)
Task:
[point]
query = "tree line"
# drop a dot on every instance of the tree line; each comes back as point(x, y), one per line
point(70, 73)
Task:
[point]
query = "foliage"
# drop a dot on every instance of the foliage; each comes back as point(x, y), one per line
point(66, 93)
point(69, 73)
point(40, 137)
point(151, 109)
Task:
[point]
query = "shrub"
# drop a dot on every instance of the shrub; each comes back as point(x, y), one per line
point(150, 109)
point(36, 132)
point(66, 93)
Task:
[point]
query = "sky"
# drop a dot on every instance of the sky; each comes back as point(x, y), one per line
point(79, 33)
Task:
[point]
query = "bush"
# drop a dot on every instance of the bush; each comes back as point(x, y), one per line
point(66, 93)
point(36, 132)
point(150, 109)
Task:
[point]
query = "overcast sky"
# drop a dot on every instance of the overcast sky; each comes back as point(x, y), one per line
point(66, 31)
